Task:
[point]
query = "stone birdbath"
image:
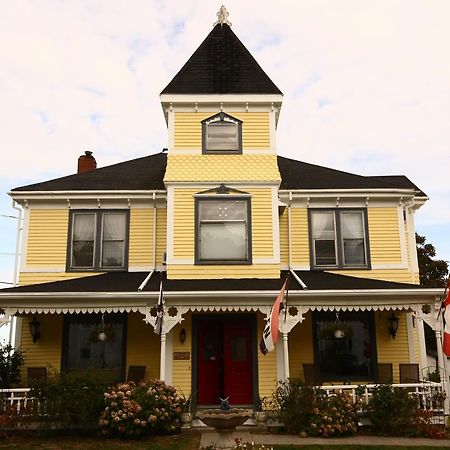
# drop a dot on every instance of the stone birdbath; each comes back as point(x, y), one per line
point(225, 423)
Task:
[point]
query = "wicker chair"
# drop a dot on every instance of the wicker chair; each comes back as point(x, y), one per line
point(409, 373)
point(384, 373)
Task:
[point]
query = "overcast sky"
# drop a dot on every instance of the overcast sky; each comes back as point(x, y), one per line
point(366, 86)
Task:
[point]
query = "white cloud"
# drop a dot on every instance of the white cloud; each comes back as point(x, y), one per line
point(366, 83)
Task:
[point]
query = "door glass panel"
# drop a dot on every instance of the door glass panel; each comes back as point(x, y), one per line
point(238, 348)
point(210, 348)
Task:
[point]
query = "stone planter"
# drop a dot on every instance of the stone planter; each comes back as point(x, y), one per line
point(186, 420)
point(260, 418)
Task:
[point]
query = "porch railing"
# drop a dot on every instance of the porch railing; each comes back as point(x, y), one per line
point(15, 397)
point(429, 394)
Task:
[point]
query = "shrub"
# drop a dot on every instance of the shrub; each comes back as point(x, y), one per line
point(12, 419)
point(149, 408)
point(70, 401)
point(392, 410)
point(309, 411)
point(11, 361)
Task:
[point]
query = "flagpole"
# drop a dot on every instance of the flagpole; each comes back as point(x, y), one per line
point(285, 334)
point(162, 333)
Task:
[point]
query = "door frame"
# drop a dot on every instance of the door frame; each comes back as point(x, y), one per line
point(196, 318)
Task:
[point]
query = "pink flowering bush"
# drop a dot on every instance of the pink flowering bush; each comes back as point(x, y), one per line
point(148, 408)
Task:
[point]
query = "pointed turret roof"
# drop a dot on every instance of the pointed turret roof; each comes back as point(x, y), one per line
point(221, 65)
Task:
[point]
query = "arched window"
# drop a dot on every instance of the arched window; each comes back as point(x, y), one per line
point(222, 133)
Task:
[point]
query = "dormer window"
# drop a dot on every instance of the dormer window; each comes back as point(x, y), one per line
point(222, 133)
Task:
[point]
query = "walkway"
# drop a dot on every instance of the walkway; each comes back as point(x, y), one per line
point(209, 438)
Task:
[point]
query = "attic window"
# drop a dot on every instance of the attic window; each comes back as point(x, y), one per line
point(222, 133)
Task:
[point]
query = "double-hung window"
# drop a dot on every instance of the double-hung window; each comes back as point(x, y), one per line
point(222, 133)
point(98, 240)
point(339, 238)
point(223, 231)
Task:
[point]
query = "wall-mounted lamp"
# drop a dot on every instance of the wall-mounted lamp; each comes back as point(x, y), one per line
point(35, 329)
point(182, 335)
point(393, 325)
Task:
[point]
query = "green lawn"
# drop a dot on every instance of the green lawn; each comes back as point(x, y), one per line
point(185, 441)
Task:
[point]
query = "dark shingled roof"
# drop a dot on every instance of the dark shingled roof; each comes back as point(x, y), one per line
point(130, 281)
point(147, 173)
point(221, 65)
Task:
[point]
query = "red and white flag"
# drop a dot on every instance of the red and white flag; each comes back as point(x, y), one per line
point(270, 332)
point(446, 346)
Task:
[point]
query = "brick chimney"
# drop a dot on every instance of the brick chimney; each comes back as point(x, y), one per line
point(86, 163)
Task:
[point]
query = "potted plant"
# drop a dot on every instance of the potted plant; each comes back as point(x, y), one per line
point(336, 330)
point(260, 415)
point(186, 413)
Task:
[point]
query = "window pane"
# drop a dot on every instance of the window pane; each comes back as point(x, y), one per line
point(223, 241)
point(86, 351)
point(114, 226)
point(222, 136)
point(83, 240)
point(324, 236)
point(323, 225)
point(353, 239)
point(325, 253)
point(112, 254)
point(348, 357)
point(223, 210)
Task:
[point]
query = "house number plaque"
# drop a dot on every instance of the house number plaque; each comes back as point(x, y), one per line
point(181, 356)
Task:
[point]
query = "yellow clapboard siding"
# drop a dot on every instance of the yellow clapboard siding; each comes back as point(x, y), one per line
point(301, 349)
point(184, 227)
point(47, 238)
point(390, 350)
point(161, 235)
point(267, 365)
point(284, 244)
point(141, 237)
point(46, 352)
point(384, 236)
point(47, 277)
point(188, 129)
point(181, 369)
point(397, 275)
point(299, 236)
point(225, 168)
point(143, 346)
point(186, 271)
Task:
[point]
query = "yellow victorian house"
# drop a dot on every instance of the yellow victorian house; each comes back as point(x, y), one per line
point(221, 219)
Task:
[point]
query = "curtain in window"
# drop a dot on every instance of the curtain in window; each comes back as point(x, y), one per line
point(83, 240)
point(324, 237)
point(223, 230)
point(222, 136)
point(353, 238)
point(113, 239)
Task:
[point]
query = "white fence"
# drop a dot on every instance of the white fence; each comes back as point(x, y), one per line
point(429, 394)
point(15, 397)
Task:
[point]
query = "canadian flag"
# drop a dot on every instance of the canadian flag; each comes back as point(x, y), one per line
point(447, 322)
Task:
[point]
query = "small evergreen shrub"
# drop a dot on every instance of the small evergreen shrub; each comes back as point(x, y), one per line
point(11, 360)
point(69, 401)
point(149, 408)
point(308, 411)
point(392, 410)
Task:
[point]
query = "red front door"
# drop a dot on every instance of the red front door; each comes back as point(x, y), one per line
point(224, 360)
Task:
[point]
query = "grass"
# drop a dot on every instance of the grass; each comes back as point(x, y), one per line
point(185, 441)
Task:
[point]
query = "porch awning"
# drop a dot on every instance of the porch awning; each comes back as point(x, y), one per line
point(118, 292)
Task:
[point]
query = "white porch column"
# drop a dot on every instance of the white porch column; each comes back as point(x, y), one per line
point(441, 360)
point(421, 342)
point(285, 356)
point(162, 363)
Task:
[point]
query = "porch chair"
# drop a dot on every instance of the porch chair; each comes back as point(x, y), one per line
point(409, 373)
point(384, 373)
point(36, 374)
point(311, 374)
point(136, 373)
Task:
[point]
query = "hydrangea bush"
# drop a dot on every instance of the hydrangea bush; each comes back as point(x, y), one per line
point(136, 410)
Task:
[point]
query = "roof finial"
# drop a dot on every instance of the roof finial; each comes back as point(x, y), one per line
point(222, 17)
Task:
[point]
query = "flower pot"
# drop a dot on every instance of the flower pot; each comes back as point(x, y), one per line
point(186, 420)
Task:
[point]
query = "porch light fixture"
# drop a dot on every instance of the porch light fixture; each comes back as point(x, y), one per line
point(393, 325)
point(35, 329)
point(182, 335)
point(102, 335)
